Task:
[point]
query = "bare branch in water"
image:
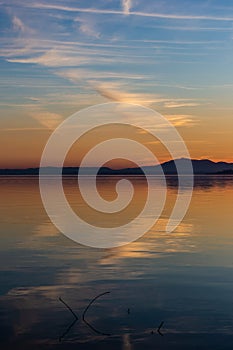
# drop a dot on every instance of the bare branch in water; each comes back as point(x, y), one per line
point(84, 313)
point(83, 317)
point(160, 326)
point(67, 330)
point(69, 308)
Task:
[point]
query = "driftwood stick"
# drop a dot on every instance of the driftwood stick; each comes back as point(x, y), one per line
point(160, 326)
point(94, 329)
point(67, 330)
point(69, 308)
point(91, 302)
point(84, 313)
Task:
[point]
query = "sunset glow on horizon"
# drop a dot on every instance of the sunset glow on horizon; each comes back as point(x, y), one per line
point(59, 57)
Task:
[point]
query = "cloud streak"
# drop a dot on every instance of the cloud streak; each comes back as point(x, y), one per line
point(115, 92)
point(52, 58)
point(87, 28)
point(47, 119)
point(126, 5)
point(171, 16)
point(75, 75)
point(18, 24)
point(180, 120)
point(174, 104)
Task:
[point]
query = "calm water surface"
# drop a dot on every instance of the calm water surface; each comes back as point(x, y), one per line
point(184, 279)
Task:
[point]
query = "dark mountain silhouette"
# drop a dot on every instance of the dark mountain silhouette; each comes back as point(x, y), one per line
point(203, 166)
point(225, 172)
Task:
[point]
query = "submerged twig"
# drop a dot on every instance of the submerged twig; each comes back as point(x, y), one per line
point(67, 330)
point(69, 308)
point(91, 302)
point(84, 313)
point(160, 326)
point(83, 317)
point(94, 329)
point(72, 324)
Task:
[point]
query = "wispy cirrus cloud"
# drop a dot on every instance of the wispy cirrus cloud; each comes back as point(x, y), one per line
point(52, 58)
point(172, 16)
point(178, 120)
point(19, 25)
point(115, 92)
point(182, 120)
point(58, 58)
point(180, 104)
point(76, 75)
point(192, 28)
point(16, 130)
point(126, 5)
point(47, 119)
point(87, 27)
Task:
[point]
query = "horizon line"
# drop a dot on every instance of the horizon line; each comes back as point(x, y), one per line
point(121, 168)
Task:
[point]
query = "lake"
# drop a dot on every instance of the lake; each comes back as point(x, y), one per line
point(180, 282)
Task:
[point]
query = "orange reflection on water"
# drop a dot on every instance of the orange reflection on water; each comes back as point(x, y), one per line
point(210, 213)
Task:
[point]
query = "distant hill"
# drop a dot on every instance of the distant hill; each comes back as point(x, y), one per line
point(203, 166)
point(225, 172)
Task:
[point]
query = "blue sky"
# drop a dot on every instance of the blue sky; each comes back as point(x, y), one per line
point(175, 56)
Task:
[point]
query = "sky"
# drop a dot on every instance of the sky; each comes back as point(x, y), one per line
point(58, 57)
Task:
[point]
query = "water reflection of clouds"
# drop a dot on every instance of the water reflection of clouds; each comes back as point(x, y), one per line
point(154, 244)
point(38, 318)
point(30, 308)
point(191, 292)
point(46, 229)
point(126, 342)
point(203, 182)
point(181, 240)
